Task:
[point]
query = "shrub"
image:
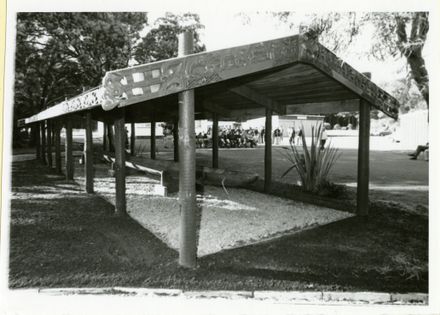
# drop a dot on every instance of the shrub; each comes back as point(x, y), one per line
point(313, 164)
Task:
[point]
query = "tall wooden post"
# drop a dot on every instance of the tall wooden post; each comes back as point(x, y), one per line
point(153, 139)
point(121, 205)
point(104, 137)
point(363, 158)
point(43, 142)
point(69, 150)
point(88, 153)
point(37, 134)
point(176, 140)
point(187, 167)
point(49, 143)
point(57, 143)
point(132, 138)
point(268, 151)
point(214, 140)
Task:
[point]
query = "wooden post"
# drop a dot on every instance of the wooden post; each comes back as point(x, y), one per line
point(104, 137)
point(153, 139)
point(111, 146)
point(57, 143)
point(43, 142)
point(176, 140)
point(363, 158)
point(88, 153)
point(49, 143)
point(214, 140)
point(132, 138)
point(121, 206)
point(187, 167)
point(69, 150)
point(37, 134)
point(268, 151)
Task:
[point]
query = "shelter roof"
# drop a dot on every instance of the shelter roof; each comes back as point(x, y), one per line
point(284, 74)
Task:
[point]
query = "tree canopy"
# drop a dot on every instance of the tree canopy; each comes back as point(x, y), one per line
point(161, 42)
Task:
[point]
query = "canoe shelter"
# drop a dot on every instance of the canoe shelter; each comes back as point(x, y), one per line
point(290, 75)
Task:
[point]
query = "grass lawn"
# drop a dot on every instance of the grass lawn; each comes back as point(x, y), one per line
point(63, 237)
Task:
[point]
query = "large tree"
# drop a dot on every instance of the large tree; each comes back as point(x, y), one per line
point(58, 55)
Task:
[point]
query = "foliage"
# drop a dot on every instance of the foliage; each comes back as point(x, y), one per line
point(313, 164)
point(60, 54)
point(161, 42)
point(404, 34)
point(334, 30)
point(407, 94)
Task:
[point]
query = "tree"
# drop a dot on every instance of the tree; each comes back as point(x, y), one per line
point(403, 34)
point(396, 34)
point(97, 42)
point(161, 42)
point(59, 55)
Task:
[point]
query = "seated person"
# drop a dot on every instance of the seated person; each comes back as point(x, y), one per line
point(420, 149)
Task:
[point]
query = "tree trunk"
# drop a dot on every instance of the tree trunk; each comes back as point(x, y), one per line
point(419, 73)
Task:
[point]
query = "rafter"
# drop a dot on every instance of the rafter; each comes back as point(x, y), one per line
point(215, 108)
point(258, 98)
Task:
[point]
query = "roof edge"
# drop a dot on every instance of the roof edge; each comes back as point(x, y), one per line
point(317, 55)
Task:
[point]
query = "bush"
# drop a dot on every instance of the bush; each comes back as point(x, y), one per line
point(313, 164)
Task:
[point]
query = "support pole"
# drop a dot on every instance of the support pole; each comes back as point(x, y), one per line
point(214, 140)
point(121, 206)
point(110, 137)
point(57, 143)
point(153, 139)
point(268, 151)
point(104, 137)
point(37, 134)
point(176, 140)
point(187, 167)
point(363, 158)
point(88, 153)
point(69, 150)
point(49, 143)
point(132, 138)
point(43, 142)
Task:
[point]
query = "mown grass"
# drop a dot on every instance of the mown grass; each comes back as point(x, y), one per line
point(62, 237)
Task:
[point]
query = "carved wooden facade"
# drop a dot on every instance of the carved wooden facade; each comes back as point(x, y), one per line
point(124, 87)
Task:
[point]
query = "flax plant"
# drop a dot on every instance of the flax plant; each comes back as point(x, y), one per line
point(313, 164)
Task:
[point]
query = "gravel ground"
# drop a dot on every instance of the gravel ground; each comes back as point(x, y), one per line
point(229, 218)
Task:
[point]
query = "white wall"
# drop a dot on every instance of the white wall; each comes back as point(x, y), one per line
point(413, 129)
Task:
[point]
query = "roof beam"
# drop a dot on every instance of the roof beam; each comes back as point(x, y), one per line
point(215, 108)
point(324, 107)
point(259, 99)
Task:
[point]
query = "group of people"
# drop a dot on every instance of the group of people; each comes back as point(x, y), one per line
point(249, 138)
point(229, 138)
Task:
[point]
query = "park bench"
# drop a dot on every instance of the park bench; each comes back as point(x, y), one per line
point(168, 171)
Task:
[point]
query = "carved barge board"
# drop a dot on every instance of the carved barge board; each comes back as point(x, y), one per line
point(154, 80)
point(86, 100)
point(132, 85)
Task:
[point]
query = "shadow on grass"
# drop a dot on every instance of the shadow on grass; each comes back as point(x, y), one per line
point(75, 240)
point(387, 252)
